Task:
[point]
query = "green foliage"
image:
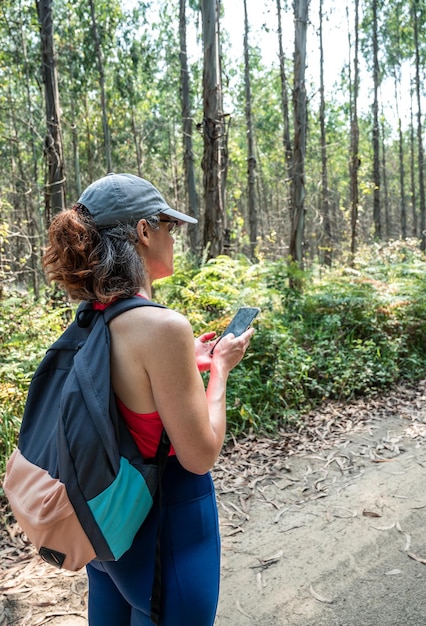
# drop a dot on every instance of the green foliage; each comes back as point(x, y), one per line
point(26, 331)
point(349, 332)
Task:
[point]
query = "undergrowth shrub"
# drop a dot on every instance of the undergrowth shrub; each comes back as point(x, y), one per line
point(348, 332)
point(26, 331)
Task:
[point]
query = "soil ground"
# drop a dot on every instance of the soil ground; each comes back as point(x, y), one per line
point(322, 526)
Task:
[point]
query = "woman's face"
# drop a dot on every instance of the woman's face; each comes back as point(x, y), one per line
point(159, 260)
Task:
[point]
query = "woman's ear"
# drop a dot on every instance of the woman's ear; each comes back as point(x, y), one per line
point(142, 230)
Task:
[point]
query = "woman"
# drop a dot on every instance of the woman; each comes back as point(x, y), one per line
point(114, 243)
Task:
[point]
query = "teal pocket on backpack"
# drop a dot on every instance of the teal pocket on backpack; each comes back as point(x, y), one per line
point(121, 509)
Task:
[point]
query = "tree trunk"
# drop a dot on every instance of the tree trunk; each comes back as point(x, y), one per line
point(136, 142)
point(354, 149)
point(214, 157)
point(388, 220)
point(74, 190)
point(376, 131)
point(284, 97)
point(75, 151)
point(413, 173)
point(35, 226)
point(354, 160)
point(89, 152)
point(326, 235)
point(419, 130)
point(299, 146)
point(194, 230)
point(99, 59)
point(403, 213)
point(251, 159)
point(55, 184)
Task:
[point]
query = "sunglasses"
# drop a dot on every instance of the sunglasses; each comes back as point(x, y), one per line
point(173, 225)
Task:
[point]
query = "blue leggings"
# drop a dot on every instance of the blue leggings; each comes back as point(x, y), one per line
point(119, 591)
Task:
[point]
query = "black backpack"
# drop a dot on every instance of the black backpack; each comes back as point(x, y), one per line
point(77, 483)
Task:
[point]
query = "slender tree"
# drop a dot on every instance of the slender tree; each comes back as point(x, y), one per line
point(384, 178)
point(188, 154)
point(284, 95)
point(394, 40)
point(299, 145)
point(415, 18)
point(354, 161)
point(214, 132)
point(413, 192)
point(403, 199)
point(376, 129)
point(55, 183)
point(100, 63)
point(251, 158)
point(327, 238)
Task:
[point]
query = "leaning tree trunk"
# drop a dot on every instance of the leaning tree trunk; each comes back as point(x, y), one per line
point(55, 183)
point(299, 146)
point(188, 154)
point(214, 157)
point(251, 159)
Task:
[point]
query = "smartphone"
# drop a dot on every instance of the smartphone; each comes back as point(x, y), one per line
point(240, 322)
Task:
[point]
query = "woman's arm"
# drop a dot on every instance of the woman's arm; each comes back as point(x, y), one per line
point(160, 372)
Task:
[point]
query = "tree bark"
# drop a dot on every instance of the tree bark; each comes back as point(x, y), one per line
point(412, 173)
point(387, 211)
point(100, 62)
point(89, 151)
point(214, 133)
point(326, 236)
point(354, 149)
point(376, 131)
point(188, 153)
point(284, 97)
point(55, 183)
point(419, 129)
point(299, 145)
point(403, 201)
point(251, 159)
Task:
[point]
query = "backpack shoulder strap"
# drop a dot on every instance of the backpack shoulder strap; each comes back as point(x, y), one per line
point(125, 304)
point(86, 315)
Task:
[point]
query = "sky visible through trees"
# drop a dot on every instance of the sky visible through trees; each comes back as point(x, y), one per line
point(124, 105)
point(263, 25)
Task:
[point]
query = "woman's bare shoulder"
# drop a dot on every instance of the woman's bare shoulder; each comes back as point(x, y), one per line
point(152, 322)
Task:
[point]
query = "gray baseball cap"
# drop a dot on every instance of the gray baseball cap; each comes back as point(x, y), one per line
point(123, 197)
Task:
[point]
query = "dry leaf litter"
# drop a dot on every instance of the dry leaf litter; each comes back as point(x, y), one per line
point(253, 468)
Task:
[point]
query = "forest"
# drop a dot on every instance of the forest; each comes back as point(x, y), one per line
point(292, 130)
point(281, 143)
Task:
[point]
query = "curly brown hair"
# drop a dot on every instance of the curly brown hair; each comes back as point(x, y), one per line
point(92, 263)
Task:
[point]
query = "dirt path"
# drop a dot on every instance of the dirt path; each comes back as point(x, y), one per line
point(323, 527)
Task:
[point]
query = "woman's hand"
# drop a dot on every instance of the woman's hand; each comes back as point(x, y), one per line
point(230, 350)
point(203, 346)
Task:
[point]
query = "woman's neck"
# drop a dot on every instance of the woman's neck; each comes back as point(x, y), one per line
point(145, 292)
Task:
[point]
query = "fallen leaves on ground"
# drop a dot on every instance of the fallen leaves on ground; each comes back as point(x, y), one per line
point(253, 466)
point(249, 465)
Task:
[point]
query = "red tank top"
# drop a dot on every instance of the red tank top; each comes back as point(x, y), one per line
point(146, 428)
